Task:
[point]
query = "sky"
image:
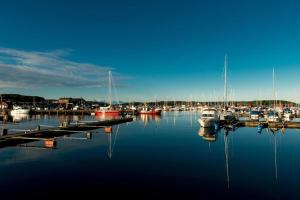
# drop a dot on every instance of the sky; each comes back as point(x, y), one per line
point(163, 49)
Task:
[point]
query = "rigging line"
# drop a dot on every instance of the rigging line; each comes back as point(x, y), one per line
point(115, 90)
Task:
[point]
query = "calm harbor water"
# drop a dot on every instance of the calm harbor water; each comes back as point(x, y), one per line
point(154, 157)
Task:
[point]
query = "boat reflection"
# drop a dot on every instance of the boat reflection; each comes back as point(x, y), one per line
point(146, 118)
point(208, 134)
point(112, 138)
point(107, 116)
point(18, 117)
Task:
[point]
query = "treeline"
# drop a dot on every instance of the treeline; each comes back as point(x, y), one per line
point(253, 103)
point(17, 98)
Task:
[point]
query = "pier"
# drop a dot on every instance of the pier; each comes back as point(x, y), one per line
point(49, 133)
point(75, 112)
point(269, 124)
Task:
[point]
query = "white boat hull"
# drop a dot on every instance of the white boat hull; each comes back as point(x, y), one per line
point(19, 111)
point(208, 122)
point(273, 119)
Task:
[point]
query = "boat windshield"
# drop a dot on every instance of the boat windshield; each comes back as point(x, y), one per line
point(207, 115)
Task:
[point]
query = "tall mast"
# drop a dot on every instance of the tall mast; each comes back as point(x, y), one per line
point(274, 98)
point(109, 87)
point(225, 81)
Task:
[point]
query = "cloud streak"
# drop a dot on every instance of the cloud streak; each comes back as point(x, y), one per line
point(31, 69)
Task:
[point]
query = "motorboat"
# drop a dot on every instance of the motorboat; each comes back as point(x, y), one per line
point(19, 110)
point(209, 118)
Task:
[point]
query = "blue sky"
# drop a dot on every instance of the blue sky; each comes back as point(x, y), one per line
point(169, 49)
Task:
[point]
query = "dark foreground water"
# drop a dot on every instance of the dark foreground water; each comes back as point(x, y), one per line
point(166, 157)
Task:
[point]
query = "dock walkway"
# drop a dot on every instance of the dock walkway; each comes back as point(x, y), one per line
point(49, 133)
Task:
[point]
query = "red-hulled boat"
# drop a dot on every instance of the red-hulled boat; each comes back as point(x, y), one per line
point(107, 111)
point(145, 110)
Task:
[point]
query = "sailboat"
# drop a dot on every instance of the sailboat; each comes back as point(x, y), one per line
point(109, 110)
point(273, 115)
point(226, 115)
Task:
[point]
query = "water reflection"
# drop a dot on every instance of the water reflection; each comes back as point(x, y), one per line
point(229, 173)
point(146, 118)
point(111, 144)
point(226, 134)
point(20, 117)
point(107, 116)
point(208, 134)
point(275, 132)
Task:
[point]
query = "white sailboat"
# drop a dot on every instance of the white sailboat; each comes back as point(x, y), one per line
point(226, 115)
point(273, 115)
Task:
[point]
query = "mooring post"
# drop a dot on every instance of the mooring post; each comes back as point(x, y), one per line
point(4, 131)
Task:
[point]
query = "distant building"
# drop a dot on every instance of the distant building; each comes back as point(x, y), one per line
point(68, 102)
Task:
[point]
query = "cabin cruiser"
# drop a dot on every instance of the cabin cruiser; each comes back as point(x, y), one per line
point(209, 118)
point(19, 110)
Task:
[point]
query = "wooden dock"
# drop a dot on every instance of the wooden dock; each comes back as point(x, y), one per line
point(49, 133)
point(61, 112)
point(269, 124)
point(74, 112)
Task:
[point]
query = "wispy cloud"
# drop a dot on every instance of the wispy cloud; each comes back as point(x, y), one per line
point(23, 69)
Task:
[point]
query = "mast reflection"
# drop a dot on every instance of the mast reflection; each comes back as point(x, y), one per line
point(275, 132)
point(210, 135)
point(111, 142)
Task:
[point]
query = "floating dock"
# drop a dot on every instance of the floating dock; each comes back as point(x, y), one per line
point(74, 112)
point(269, 124)
point(48, 134)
